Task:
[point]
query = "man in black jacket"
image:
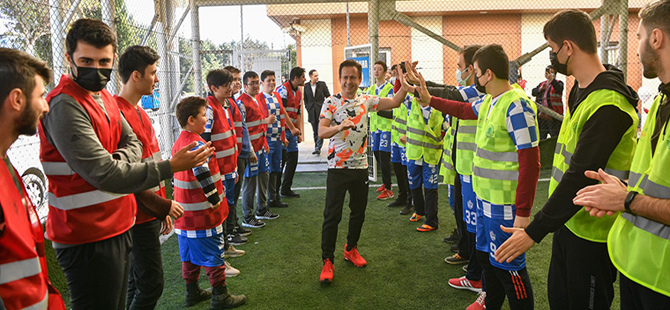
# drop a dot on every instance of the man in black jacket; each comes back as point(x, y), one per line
point(315, 93)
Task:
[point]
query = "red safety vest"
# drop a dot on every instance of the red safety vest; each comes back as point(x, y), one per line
point(139, 120)
point(255, 123)
point(292, 105)
point(198, 212)
point(266, 112)
point(224, 139)
point(24, 280)
point(237, 121)
point(79, 212)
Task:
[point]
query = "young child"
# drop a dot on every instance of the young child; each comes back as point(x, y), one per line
point(200, 231)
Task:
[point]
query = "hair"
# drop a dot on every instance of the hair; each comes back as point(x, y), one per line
point(655, 15)
point(266, 73)
point(382, 63)
point(493, 57)
point(232, 69)
point(136, 58)
point(548, 68)
point(351, 63)
point(468, 52)
point(218, 77)
point(575, 26)
point(18, 70)
point(187, 107)
point(248, 75)
point(311, 72)
point(90, 31)
point(296, 73)
point(393, 67)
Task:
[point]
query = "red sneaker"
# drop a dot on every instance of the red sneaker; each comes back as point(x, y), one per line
point(415, 217)
point(463, 283)
point(479, 304)
point(327, 271)
point(386, 194)
point(425, 228)
point(354, 257)
point(381, 188)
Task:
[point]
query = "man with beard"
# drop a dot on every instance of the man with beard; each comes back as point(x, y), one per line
point(22, 104)
point(92, 160)
point(599, 132)
point(638, 242)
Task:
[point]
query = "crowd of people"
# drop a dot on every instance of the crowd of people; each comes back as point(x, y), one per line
point(609, 197)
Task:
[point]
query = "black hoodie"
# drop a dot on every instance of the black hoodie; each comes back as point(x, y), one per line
point(600, 136)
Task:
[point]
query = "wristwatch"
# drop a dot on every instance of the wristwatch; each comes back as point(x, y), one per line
point(629, 199)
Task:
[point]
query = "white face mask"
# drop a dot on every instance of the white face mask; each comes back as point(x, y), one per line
point(459, 79)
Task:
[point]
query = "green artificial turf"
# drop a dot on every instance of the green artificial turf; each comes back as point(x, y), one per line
point(406, 269)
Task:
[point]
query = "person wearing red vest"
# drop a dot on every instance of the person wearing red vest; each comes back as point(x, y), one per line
point(220, 130)
point(256, 174)
point(269, 102)
point(291, 97)
point(137, 69)
point(24, 280)
point(200, 231)
point(233, 228)
point(92, 160)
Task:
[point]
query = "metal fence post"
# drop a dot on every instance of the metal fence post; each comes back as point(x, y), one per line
point(195, 41)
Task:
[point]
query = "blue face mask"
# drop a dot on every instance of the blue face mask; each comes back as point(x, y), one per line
point(459, 78)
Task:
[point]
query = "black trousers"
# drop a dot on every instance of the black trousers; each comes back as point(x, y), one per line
point(145, 279)
point(500, 283)
point(289, 162)
point(426, 204)
point(463, 244)
point(637, 297)
point(474, 267)
point(338, 183)
point(581, 274)
point(231, 221)
point(97, 272)
point(384, 163)
point(314, 121)
point(403, 183)
point(548, 127)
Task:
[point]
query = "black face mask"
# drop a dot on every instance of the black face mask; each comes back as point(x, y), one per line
point(92, 79)
point(559, 67)
point(480, 88)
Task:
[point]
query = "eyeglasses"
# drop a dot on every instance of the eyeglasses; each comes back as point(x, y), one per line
point(253, 84)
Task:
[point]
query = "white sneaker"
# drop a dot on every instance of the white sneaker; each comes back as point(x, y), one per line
point(233, 252)
point(231, 272)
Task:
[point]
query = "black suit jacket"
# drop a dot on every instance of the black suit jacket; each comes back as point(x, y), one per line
point(315, 101)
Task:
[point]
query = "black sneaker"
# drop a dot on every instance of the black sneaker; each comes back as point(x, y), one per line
point(253, 223)
point(397, 203)
point(407, 210)
point(277, 204)
point(268, 215)
point(236, 239)
point(453, 237)
point(454, 248)
point(290, 194)
point(243, 231)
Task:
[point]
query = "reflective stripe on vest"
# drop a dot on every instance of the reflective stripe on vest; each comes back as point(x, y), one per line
point(582, 224)
point(82, 200)
point(20, 269)
point(194, 184)
point(199, 206)
point(465, 146)
point(496, 165)
point(640, 247)
point(421, 142)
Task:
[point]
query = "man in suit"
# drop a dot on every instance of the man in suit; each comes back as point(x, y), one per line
point(315, 93)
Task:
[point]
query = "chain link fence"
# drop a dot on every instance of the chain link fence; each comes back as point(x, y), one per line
point(195, 36)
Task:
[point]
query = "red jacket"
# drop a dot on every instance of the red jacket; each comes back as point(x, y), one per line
point(198, 214)
point(139, 120)
point(255, 123)
point(292, 105)
point(23, 265)
point(224, 139)
point(79, 212)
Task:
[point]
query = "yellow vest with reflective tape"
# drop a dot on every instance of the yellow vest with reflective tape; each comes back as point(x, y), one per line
point(378, 122)
point(448, 171)
point(582, 223)
point(495, 171)
point(640, 247)
point(465, 146)
point(399, 124)
point(424, 141)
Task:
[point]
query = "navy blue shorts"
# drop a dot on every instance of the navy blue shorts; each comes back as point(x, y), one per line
point(205, 251)
point(274, 156)
point(262, 165)
point(425, 175)
point(469, 203)
point(493, 217)
point(398, 154)
point(292, 142)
